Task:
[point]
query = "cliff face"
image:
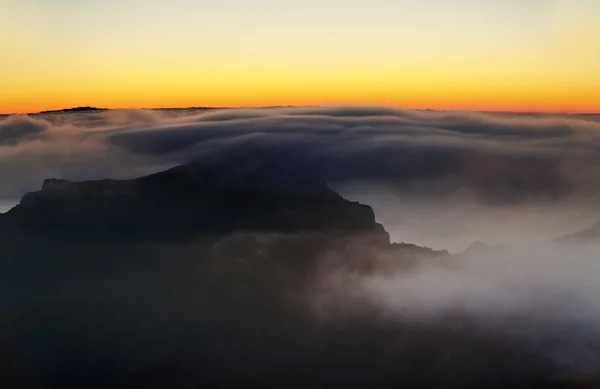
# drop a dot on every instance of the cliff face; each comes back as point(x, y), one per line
point(189, 201)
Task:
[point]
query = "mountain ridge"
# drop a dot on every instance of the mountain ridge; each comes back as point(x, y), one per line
point(74, 109)
point(583, 236)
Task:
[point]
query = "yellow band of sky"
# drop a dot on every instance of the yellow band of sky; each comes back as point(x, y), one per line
point(484, 55)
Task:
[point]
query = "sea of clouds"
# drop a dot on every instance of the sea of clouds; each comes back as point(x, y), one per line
point(437, 178)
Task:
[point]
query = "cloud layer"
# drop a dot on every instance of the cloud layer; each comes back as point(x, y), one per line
point(490, 158)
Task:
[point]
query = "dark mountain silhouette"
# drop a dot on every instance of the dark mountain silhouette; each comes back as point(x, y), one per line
point(76, 109)
point(189, 201)
point(91, 109)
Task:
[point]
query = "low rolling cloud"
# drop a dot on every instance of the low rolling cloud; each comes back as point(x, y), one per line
point(17, 129)
point(495, 159)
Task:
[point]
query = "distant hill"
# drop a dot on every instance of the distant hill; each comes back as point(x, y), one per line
point(186, 108)
point(76, 109)
point(586, 236)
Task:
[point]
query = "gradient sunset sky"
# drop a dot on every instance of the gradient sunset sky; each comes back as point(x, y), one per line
point(525, 55)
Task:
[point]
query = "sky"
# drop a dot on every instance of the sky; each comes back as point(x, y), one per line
point(515, 55)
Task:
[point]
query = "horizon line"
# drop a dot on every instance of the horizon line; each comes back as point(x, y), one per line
point(82, 108)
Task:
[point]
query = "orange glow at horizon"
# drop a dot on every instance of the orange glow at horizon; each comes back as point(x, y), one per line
point(459, 95)
point(541, 107)
point(474, 84)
